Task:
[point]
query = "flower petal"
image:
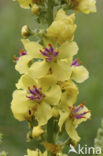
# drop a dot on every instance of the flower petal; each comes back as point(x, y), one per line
point(62, 28)
point(22, 64)
point(53, 95)
point(86, 6)
point(67, 50)
point(32, 48)
point(47, 81)
point(71, 131)
point(61, 71)
point(79, 74)
point(43, 113)
point(25, 81)
point(39, 69)
point(20, 105)
point(70, 93)
point(63, 117)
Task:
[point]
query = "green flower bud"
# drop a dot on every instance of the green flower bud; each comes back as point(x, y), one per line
point(25, 31)
point(35, 9)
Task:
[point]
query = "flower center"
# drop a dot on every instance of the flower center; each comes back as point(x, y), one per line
point(75, 112)
point(49, 53)
point(76, 62)
point(35, 94)
point(21, 53)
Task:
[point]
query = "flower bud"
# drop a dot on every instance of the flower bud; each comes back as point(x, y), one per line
point(37, 131)
point(35, 9)
point(25, 31)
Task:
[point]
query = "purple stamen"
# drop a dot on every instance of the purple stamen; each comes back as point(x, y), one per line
point(49, 53)
point(79, 116)
point(78, 109)
point(75, 112)
point(76, 62)
point(35, 94)
point(21, 53)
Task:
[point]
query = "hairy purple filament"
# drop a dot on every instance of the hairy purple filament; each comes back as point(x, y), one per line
point(76, 62)
point(21, 53)
point(35, 94)
point(75, 112)
point(49, 53)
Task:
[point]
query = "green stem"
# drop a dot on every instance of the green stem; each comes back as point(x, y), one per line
point(50, 131)
point(50, 11)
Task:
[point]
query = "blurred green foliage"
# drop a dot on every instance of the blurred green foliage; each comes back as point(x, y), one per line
point(89, 36)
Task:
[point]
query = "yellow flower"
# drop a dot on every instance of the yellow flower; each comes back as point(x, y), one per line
point(85, 6)
point(51, 59)
point(32, 94)
point(79, 72)
point(37, 131)
point(69, 93)
point(22, 62)
point(35, 153)
point(71, 118)
point(62, 28)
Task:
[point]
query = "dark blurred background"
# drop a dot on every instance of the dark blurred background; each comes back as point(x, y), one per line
point(89, 36)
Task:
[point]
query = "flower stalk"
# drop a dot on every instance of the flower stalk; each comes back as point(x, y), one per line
point(46, 92)
point(50, 12)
